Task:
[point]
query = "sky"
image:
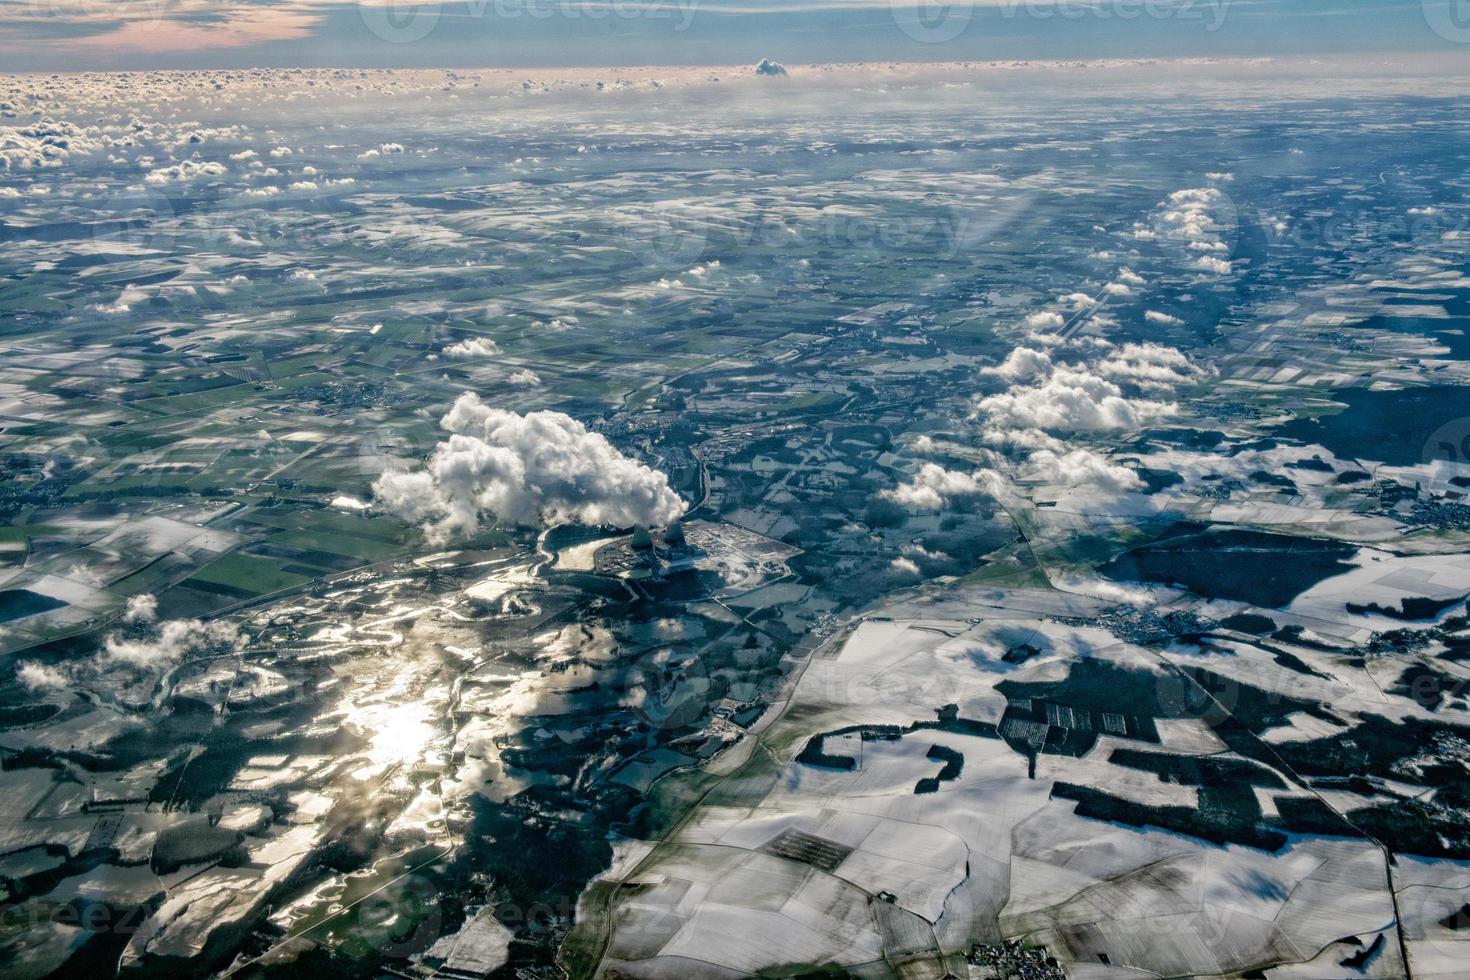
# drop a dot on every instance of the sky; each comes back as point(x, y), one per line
point(104, 34)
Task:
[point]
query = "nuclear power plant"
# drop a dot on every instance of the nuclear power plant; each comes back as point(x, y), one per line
point(655, 554)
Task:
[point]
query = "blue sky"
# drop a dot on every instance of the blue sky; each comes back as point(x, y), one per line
point(68, 34)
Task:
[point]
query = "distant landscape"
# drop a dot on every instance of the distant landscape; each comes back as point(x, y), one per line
point(961, 520)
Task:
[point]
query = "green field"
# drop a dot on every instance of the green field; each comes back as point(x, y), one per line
point(247, 573)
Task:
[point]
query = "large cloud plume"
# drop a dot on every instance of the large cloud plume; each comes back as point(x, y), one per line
point(537, 468)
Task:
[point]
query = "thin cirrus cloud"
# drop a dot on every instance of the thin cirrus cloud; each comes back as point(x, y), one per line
point(154, 26)
point(561, 33)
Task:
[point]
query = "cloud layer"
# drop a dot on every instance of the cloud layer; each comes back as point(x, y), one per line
point(43, 144)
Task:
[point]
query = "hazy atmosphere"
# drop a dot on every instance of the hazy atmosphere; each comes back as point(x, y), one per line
point(44, 35)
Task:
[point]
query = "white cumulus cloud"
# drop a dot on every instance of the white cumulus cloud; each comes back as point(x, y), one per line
point(1022, 364)
point(184, 171)
point(40, 677)
point(44, 144)
point(1149, 365)
point(1212, 265)
point(472, 347)
point(170, 642)
point(1194, 218)
point(142, 608)
point(1071, 400)
point(525, 378)
point(538, 468)
point(933, 486)
point(1083, 468)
